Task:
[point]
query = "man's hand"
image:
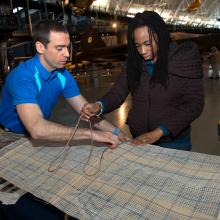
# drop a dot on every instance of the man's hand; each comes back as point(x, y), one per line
point(89, 110)
point(149, 137)
point(107, 137)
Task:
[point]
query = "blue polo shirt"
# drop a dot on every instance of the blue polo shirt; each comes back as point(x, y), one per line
point(30, 82)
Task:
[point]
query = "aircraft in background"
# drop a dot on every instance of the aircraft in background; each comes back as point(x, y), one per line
point(204, 41)
point(88, 44)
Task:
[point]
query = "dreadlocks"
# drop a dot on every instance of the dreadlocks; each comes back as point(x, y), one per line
point(155, 25)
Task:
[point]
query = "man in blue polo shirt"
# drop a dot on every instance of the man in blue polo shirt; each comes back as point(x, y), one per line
point(28, 96)
point(32, 89)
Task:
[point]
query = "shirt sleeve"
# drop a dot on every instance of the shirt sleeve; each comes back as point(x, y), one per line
point(22, 89)
point(71, 88)
point(116, 96)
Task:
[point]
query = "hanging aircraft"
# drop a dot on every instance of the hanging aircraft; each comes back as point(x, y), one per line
point(87, 41)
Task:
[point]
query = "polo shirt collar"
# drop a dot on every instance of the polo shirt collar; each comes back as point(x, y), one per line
point(46, 75)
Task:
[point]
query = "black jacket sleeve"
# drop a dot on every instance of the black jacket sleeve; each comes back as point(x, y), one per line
point(117, 94)
point(186, 67)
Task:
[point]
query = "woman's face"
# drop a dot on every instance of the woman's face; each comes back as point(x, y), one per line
point(146, 45)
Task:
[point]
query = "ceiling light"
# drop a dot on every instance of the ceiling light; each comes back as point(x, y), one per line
point(114, 25)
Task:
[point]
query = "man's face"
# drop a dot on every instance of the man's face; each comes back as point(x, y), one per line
point(56, 53)
point(146, 45)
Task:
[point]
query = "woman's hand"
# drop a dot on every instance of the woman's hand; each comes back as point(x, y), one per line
point(149, 137)
point(90, 110)
point(123, 137)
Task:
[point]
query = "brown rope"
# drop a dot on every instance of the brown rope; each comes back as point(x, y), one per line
point(62, 155)
point(60, 158)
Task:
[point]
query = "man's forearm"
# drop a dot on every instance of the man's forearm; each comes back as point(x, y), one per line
point(104, 125)
point(46, 130)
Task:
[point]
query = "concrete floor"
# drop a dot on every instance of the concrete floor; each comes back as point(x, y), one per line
point(95, 84)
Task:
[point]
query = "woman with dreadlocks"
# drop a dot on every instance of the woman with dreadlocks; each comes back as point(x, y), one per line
point(165, 83)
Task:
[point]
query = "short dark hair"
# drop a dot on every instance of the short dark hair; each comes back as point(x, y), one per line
point(44, 27)
point(134, 62)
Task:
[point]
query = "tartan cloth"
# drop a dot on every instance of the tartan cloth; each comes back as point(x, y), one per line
point(146, 182)
point(7, 138)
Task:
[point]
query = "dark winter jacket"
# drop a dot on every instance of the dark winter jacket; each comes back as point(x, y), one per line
point(174, 107)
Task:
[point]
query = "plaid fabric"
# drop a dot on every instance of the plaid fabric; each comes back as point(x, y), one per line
point(7, 138)
point(147, 182)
